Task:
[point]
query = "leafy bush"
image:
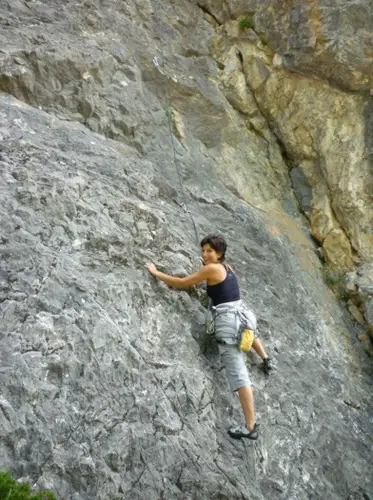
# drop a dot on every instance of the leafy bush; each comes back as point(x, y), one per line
point(246, 22)
point(10, 489)
point(169, 111)
point(332, 275)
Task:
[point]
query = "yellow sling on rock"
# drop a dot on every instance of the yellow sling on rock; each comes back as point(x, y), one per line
point(247, 339)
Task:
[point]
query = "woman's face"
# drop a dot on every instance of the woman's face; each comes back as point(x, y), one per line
point(209, 255)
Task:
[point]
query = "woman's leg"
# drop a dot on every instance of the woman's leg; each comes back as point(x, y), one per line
point(247, 403)
point(266, 366)
point(259, 349)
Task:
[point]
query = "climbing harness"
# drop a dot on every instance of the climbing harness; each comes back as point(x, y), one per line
point(246, 325)
point(169, 114)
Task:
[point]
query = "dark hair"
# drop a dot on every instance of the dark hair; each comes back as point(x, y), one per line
point(217, 242)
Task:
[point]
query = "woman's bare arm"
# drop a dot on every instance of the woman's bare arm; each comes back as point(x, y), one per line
point(205, 273)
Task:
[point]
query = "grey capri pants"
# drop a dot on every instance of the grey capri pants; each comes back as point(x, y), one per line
point(233, 359)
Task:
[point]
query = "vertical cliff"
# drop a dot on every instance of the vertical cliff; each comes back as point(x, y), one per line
point(122, 123)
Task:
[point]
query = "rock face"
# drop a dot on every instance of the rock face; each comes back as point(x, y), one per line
point(324, 128)
point(308, 69)
point(109, 387)
point(359, 284)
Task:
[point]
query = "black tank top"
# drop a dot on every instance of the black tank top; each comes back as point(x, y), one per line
point(225, 291)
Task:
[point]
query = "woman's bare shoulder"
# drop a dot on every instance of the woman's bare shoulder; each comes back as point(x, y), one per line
point(228, 267)
point(215, 269)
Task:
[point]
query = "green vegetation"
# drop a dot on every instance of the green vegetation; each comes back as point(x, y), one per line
point(246, 22)
point(332, 275)
point(169, 111)
point(10, 489)
point(334, 279)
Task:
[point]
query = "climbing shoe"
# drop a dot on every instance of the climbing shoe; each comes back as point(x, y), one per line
point(266, 366)
point(242, 431)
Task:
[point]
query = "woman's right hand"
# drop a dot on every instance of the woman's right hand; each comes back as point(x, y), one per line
point(151, 268)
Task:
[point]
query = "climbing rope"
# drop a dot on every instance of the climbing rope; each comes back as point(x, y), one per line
point(185, 206)
point(169, 114)
point(282, 226)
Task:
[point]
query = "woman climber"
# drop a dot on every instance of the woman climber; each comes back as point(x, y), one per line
point(224, 292)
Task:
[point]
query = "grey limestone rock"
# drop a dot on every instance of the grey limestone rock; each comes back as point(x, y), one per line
point(109, 388)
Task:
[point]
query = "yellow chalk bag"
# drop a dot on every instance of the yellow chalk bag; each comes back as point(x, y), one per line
point(247, 339)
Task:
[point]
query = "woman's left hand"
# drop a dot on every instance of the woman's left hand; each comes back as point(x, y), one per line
point(151, 268)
